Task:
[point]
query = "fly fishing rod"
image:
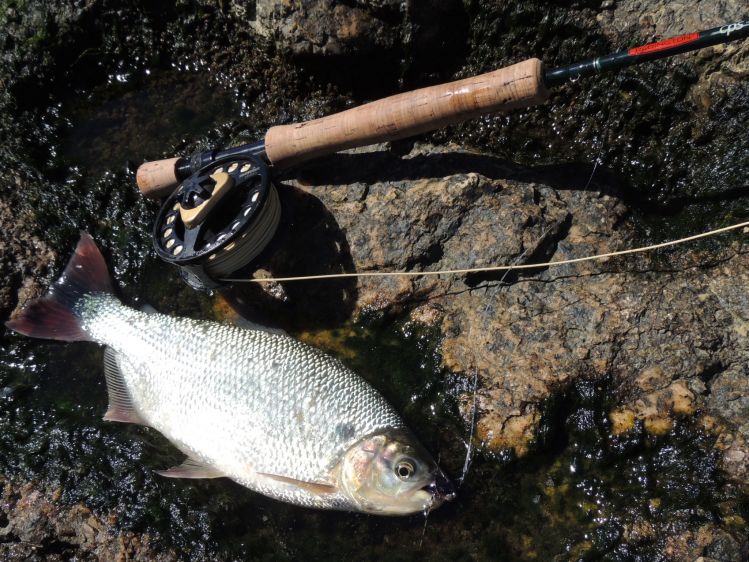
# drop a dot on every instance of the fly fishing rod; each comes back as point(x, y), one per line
point(222, 209)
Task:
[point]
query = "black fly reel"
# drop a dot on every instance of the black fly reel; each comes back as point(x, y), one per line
point(218, 220)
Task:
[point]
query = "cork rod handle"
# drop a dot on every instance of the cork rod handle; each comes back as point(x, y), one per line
point(407, 114)
point(157, 178)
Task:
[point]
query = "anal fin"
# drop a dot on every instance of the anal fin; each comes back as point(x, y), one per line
point(121, 408)
point(190, 469)
point(116, 414)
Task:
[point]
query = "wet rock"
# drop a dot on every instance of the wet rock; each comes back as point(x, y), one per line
point(706, 544)
point(24, 258)
point(721, 69)
point(38, 526)
point(60, 56)
point(670, 117)
point(636, 496)
point(367, 48)
point(660, 324)
point(327, 28)
point(323, 27)
point(653, 18)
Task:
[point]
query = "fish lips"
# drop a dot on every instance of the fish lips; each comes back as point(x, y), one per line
point(441, 489)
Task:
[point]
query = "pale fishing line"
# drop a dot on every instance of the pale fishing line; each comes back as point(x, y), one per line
point(604, 136)
point(472, 427)
point(427, 511)
point(469, 447)
point(639, 250)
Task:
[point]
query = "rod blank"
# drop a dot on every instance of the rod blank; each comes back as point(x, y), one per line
point(652, 51)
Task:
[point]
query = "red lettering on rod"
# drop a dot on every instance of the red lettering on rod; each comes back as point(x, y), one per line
point(663, 45)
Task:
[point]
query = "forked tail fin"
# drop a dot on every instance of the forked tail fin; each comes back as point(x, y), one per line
point(55, 316)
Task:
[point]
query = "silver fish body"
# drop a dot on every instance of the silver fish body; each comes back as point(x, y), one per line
point(245, 402)
point(261, 408)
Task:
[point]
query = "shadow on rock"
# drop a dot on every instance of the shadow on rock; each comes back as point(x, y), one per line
point(385, 165)
point(308, 242)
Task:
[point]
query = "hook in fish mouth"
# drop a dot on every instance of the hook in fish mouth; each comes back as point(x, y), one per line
point(441, 488)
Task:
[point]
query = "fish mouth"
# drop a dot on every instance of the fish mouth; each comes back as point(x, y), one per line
point(441, 489)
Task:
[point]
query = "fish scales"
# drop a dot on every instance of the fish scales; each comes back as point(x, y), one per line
point(269, 412)
point(248, 385)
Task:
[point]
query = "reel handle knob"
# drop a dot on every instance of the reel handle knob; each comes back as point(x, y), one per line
point(193, 217)
point(157, 178)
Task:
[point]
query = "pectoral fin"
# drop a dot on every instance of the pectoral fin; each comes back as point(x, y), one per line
point(312, 487)
point(190, 469)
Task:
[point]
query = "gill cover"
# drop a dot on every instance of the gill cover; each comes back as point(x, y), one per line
point(390, 474)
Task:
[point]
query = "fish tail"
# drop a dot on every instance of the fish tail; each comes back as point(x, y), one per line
point(56, 316)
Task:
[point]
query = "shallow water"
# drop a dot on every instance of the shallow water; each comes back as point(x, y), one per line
point(139, 117)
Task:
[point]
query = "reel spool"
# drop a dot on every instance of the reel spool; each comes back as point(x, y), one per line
point(218, 220)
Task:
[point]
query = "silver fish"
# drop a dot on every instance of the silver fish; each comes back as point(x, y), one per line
point(271, 413)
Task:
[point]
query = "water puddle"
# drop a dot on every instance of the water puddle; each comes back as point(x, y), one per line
point(139, 119)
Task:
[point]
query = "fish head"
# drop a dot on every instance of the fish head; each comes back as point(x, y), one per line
point(390, 473)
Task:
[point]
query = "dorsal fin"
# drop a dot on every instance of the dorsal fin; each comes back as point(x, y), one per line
point(121, 407)
point(242, 322)
point(191, 468)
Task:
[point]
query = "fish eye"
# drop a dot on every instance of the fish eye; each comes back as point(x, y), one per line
point(405, 469)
